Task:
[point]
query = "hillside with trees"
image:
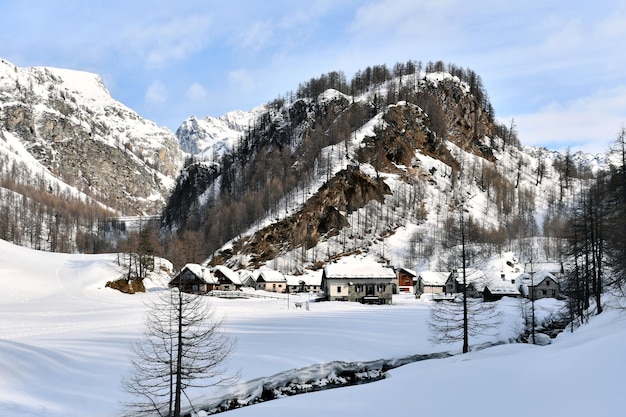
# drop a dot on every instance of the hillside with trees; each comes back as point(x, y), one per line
point(338, 165)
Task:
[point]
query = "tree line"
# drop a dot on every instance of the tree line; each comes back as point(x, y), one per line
point(38, 213)
point(596, 234)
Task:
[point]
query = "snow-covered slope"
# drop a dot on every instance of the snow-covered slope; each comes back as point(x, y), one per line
point(65, 338)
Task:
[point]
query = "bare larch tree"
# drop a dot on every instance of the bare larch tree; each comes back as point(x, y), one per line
point(184, 346)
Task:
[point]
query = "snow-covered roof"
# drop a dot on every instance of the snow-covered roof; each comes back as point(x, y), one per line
point(539, 276)
point(309, 279)
point(434, 277)
point(472, 275)
point(409, 271)
point(229, 273)
point(358, 270)
point(245, 275)
point(269, 275)
point(502, 287)
point(201, 272)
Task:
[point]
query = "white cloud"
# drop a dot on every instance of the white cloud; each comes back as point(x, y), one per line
point(175, 39)
point(305, 13)
point(156, 93)
point(196, 92)
point(407, 17)
point(586, 123)
point(256, 36)
point(241, 79)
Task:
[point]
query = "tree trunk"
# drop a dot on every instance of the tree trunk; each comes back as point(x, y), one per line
point(179, 356)
point(465, 323)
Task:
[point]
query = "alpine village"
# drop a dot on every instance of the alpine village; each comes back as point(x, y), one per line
point(394, 186)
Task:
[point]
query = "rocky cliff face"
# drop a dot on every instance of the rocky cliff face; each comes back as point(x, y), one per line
point(70, 124)
point(323, 216)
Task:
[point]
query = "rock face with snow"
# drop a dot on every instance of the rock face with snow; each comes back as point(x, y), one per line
point(79, 134)
point(333, 174)
point(212, 137)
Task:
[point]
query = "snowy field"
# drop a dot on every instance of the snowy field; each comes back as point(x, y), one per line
point(64, 347)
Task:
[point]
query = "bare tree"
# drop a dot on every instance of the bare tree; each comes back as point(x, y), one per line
point(184, 347)
point(453, 321)
point(460, 319)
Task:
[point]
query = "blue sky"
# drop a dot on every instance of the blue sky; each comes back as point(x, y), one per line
point(557, 67)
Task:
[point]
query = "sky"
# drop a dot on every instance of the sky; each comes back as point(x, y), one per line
point(553, 68)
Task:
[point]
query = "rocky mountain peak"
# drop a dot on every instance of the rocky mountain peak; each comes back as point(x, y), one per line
point(73, 127)
point(212, 137)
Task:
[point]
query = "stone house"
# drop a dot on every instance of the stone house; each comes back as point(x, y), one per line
point(541, 284)
point(364, 282)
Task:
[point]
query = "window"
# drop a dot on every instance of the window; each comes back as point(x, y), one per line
point(358, 288)
point(338, 289)
point(381, 288)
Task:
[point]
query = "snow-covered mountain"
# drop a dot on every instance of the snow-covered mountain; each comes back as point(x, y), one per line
point(71, 156)
point(64, 125)
point(212, 137)
point(326, 175)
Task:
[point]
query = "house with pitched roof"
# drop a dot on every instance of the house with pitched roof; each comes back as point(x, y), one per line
point(406, 280)
point(364, 282)
point(496, 290)
point(475, 280)
point(270, 280)
point(247, 278)
point(228, 280)
point(194, 279)
point(540, 284)
point(431, 282)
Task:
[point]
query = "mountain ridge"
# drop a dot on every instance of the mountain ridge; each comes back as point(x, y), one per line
point(63, 136)
point(62, 133)
point(430, 137)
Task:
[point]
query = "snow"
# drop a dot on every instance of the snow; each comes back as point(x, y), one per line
point(434, 277)
point(86, 85)
point(229, 273)
point(211, 137)
point(361, 269)
point(269, 275)
point(64, 343)
point(200, 271)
